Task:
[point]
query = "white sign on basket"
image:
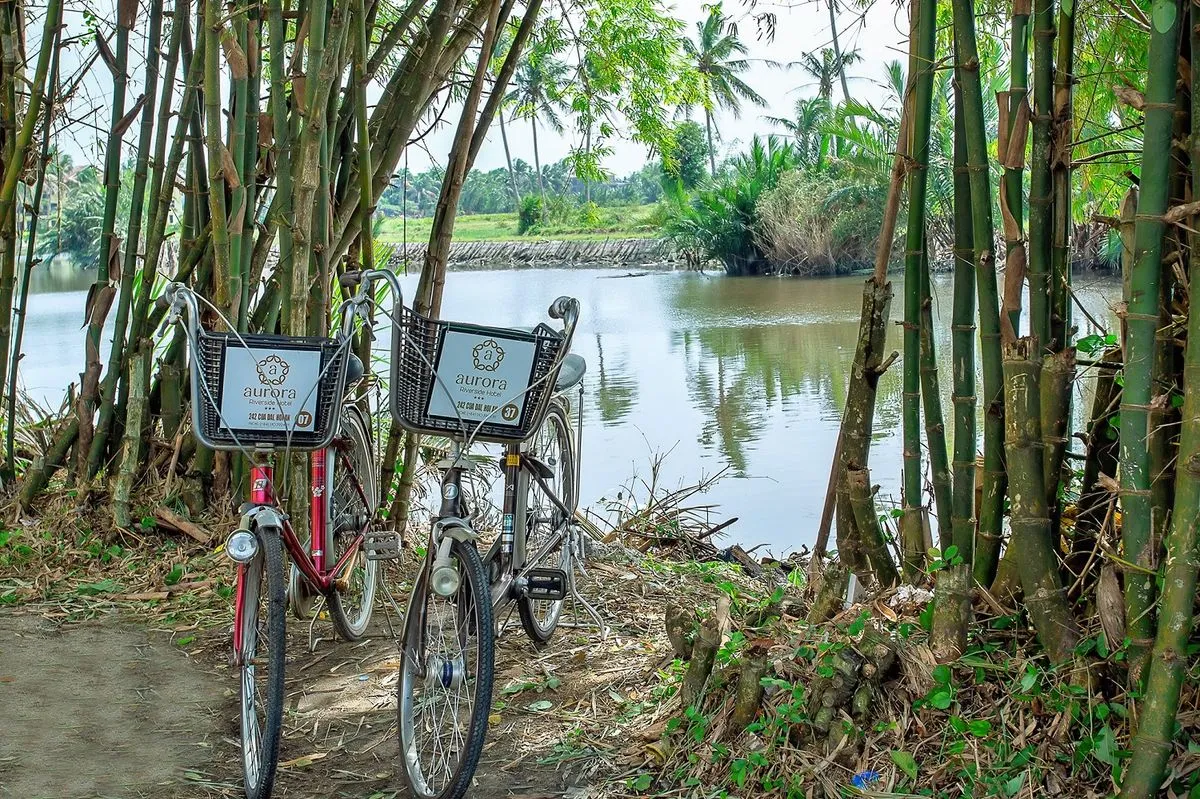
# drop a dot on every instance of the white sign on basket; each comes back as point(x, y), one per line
point(270, 390)
point(482, 377)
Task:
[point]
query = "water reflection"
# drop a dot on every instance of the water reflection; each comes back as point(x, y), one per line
point(743, 374)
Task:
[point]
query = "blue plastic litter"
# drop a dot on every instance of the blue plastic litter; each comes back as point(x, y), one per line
point(864, 779)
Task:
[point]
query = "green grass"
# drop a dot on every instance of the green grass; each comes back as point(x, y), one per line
point(626, 222)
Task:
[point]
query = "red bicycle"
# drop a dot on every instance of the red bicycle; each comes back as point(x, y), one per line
point(258, 394)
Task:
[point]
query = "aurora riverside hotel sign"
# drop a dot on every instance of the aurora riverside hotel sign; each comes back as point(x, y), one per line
point(482, 376)
point(263, 389)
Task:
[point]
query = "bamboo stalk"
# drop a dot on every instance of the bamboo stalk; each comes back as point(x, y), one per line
point(1040, 197)
point(139, 374)
point(1168, 663)
point(962, 345)
point(1036, 561)
point(1063, 133)
point(118, 352)
point(102, 293)
point(935, 426)
point(991, 504)
point(912, 531)
point(862, 504)
point(281, 206)
point(1014, 138)
point(1058, 378)
point(50, 90)
point(1142, 321)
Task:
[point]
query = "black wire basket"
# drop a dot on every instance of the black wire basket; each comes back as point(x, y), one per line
point(279, 391)
point(461, 380)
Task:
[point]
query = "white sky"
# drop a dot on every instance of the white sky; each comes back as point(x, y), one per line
point(879, 35)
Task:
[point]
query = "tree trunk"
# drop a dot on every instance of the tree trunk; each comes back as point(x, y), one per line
point(512, 175)
point(537, 164)
point(837, 49)
point(712, 150)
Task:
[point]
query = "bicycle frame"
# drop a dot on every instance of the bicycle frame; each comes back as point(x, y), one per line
point(311, 562)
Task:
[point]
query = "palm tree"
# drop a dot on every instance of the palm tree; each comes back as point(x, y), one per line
point(716, 55)
point(537, 93)
point(826, 69)
point(807, 128)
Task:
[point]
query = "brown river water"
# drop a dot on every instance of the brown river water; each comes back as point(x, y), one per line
point(741, 375)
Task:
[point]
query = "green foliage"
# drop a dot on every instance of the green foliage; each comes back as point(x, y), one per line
point(684, 161)
point(530, 215)
point(719, 222)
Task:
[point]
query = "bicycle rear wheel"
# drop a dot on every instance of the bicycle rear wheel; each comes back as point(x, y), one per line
point(552, 446)
point(445, 688)
point(351, 510)
point(262, 659)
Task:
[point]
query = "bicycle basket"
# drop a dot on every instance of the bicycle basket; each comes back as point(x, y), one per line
point(496, 376)
point(275, 390)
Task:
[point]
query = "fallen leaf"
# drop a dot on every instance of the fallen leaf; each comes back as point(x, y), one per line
point(540, 705)
point(305, 761)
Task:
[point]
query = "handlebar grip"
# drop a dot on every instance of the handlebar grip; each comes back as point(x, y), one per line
point(162, 303)
point(559, 308)
point(350, 279)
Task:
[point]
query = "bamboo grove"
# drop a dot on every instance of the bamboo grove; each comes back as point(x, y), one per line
point(262, 134)
point(1068, 524)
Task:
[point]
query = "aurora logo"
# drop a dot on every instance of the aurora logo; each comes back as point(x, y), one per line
point(272, 370)
point(487, 356)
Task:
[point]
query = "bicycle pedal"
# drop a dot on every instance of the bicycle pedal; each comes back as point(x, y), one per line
point(546, 584)
point(381, 544)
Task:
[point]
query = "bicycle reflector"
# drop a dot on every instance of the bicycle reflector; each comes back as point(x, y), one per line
point(242, 546)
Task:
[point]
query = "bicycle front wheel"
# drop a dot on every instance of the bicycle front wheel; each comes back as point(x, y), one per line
point(446, 677)
point(352, 509)
point(262, 658)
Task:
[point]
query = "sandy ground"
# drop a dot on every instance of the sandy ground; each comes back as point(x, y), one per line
point(111, 709)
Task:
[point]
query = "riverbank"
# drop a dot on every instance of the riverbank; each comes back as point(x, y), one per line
point(609, 222)
point(625, 253)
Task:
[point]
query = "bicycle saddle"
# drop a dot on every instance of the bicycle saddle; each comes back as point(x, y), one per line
point(570, 373)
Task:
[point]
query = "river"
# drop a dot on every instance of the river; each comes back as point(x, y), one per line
point(745, 376)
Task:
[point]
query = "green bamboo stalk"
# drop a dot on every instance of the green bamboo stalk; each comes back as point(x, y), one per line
point(991, 508)
point(1168, 664)
point(1142, 321)
point(862, 502)
point(239, 143)
point(50, 92)
point(1013, 140)
point(119, 352)
point(935, 426)
point(281, 206)
point(160, 206)
point(1040, 197)
point(1036, 560)
point(366, 197)
point(1058, 378)
point(139, 375)
point(219, 179)
point(1060, 182)
point(962, 346)
point(101, 296)
point(913, 534)
point(952, 608)
point(251, 155)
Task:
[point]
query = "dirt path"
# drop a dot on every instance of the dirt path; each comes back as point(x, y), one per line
point(108, 709)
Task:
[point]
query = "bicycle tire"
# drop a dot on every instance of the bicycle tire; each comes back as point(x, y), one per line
point(539, 618)
point(352, 627)
point(473, 587)
point(261, 757)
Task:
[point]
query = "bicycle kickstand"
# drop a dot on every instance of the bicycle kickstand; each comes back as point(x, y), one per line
point(577, 596)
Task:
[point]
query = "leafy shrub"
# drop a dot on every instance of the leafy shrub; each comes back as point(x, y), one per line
point(531, 214)
point(589, 215)
point(814, 223)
